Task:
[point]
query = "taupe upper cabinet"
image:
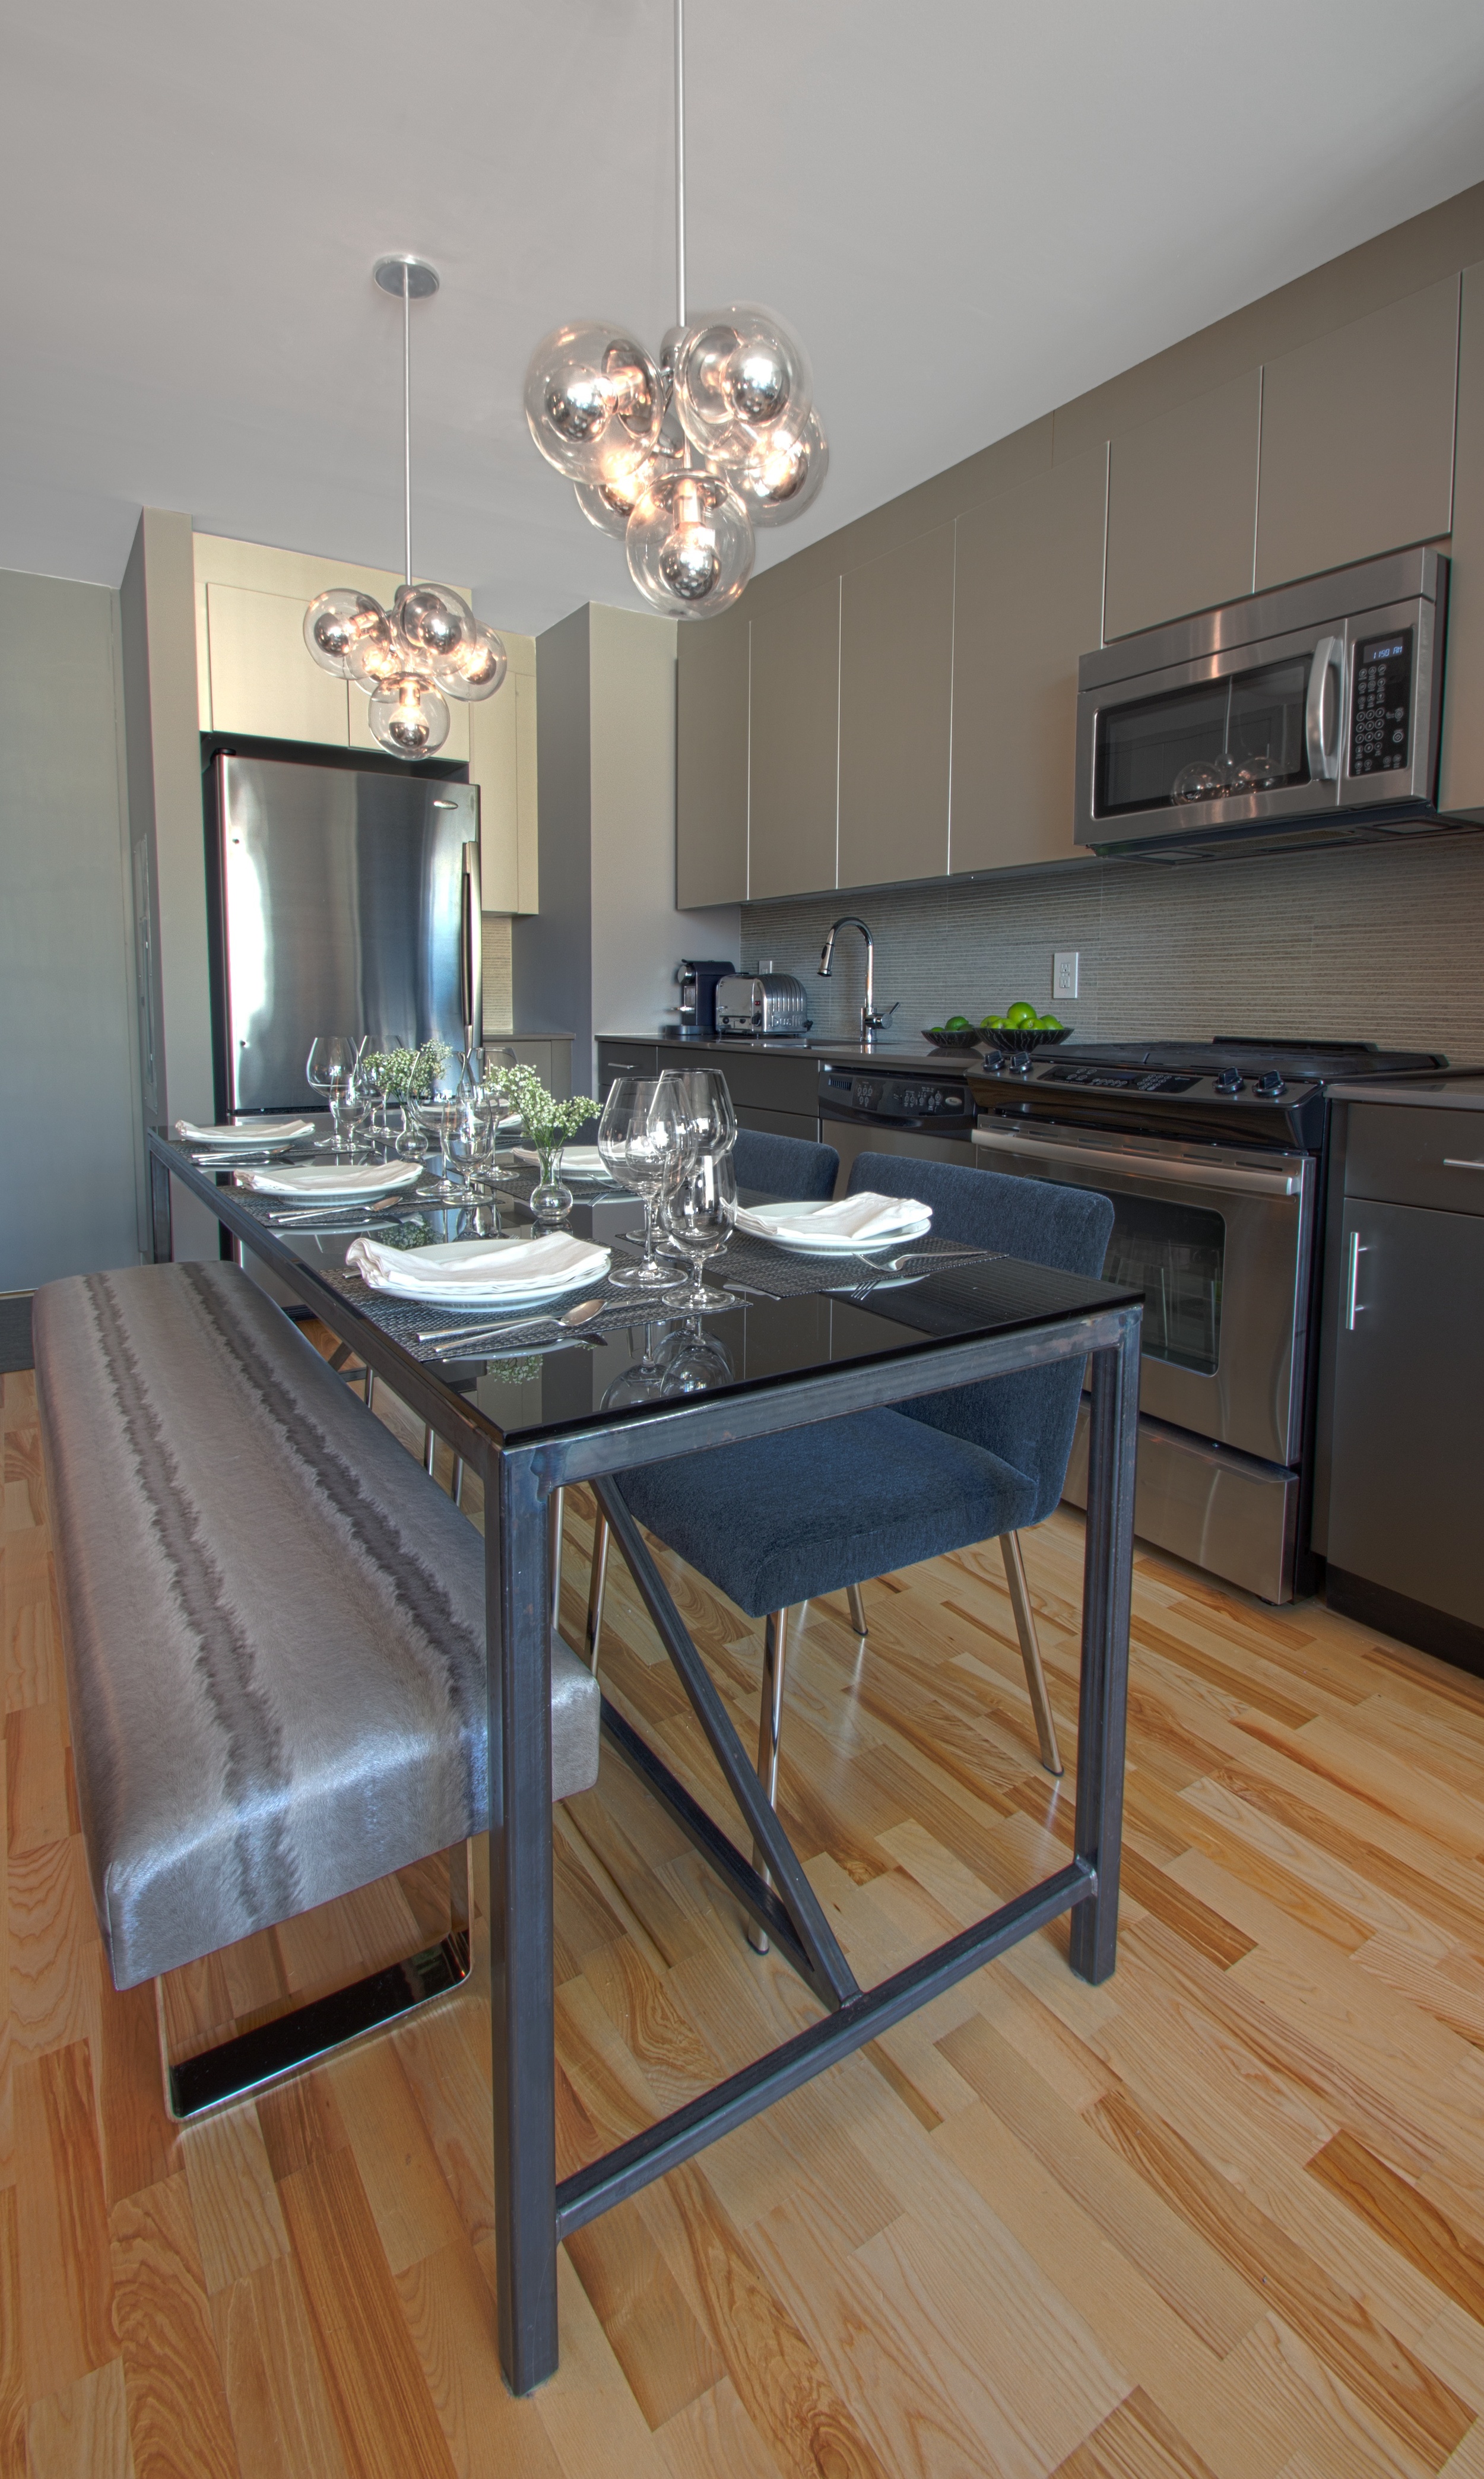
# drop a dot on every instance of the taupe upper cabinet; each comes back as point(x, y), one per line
point(896, 706)
point(1358, 439)
point(1182, 509)
point(710, 761)
point(1461, 783)
point(794, 745)
point(1027, 601)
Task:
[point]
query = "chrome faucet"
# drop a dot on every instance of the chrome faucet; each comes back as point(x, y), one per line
point(871, 1024)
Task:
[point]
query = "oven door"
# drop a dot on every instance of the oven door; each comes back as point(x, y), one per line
point(1220, 1242)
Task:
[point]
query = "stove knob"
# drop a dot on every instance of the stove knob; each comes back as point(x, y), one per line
point(1228, 1082)
point(1271, 1085)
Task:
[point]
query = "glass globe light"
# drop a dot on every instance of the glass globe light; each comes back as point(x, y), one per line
point(690, 546)
point(436, 620)
point(379, 662)
point(475, 671)
point(336, 623)
point(1206, 779)
point(593, 396)
point(742, 380)
point(778, 483)
point(409, 716)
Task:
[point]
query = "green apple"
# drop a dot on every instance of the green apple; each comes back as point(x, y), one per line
point(1022, 1014)
point(991, 1024)
point(1049, 1024)
point(957, 1024)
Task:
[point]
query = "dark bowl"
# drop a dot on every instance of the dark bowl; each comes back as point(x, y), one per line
point(941, 1040)
point(1025, 1038)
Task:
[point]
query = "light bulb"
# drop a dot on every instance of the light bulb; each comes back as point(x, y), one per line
point(340, 621)
point(742, 381)
point(475, 671)
point(376, 662)
point(780, 482)
point(409, 717)
point(610, 504)
point(592, 397)
point(690, 546)
point(435, 618)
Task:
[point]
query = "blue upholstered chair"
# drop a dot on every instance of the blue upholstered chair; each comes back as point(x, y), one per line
point(773, 1522)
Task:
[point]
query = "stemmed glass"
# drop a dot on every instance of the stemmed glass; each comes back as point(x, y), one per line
point(646, 1137)
point(330, 1068)
point(441, 1115)
point(708, 1100)
point(698, 1213)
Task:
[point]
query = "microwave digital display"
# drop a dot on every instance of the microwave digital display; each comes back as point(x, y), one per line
point(1381, 706)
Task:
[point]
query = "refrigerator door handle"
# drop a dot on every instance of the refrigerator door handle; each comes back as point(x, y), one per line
point(471, 956)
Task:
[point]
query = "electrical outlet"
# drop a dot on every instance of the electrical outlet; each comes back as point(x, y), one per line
point(1064, 973)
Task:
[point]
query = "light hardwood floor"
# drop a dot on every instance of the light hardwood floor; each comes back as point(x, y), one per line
point(1224, 2214)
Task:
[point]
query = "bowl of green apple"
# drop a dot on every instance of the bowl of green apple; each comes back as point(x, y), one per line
point(955, 1032)
point(1020, 1029)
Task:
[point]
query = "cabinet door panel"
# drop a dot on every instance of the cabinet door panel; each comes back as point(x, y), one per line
point(710, 761)
point(1027, 601)
point(264, 678)
point(1358, 439)
point(1182, 509)
point(1462, 780)
point(1408, 1383)
point(896, 707)
point(494, 764)
point(794, 745)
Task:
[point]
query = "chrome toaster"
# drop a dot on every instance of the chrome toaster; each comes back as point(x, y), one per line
point(761, 1005)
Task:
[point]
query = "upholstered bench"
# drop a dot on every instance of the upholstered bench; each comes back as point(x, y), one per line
point(273, 1623)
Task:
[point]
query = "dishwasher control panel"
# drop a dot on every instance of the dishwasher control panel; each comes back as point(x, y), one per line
point(895, 1099)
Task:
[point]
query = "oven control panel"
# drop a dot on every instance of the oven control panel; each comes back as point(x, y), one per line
point(894, 1100)
point(1381, 704)
point(1120, 1079)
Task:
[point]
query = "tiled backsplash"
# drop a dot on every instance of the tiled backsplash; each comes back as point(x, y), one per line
point(498, 1016)
point(1380, 943)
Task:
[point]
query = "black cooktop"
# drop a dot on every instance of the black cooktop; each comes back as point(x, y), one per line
point(1233, 1089)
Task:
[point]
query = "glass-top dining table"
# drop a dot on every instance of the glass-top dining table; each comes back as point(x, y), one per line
point(806, 1339)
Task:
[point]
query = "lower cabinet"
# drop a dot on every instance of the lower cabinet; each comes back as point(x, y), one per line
point(778, 1123)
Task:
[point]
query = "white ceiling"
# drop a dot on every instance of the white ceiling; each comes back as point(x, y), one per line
point(971, 211)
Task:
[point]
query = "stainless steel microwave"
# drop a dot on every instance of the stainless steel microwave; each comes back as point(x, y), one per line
point(1306, 713)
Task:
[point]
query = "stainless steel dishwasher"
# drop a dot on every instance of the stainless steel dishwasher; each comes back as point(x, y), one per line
point(872, 1110)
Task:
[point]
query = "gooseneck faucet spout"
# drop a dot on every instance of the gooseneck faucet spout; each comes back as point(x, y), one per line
point(871, 1024)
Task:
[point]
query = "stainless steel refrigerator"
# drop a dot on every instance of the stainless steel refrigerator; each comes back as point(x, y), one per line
point(344, 902)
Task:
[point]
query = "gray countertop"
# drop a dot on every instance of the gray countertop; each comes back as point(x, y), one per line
point(886, 1054)
point(1460, 1092)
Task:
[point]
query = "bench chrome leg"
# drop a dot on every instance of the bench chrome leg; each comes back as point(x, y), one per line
point(857, 1606)
point(557, 1503)
point(216, 2078)
point(458, 1480)
point(770, 1725)
point(429, 1448)
point(595, 1590)
point(1031, 1650)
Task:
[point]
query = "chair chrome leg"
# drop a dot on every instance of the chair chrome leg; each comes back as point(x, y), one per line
point(595, 1590)
point(429, 1448)
point(770, 1725)
point(857, 1616)
point(370, 1388)
point(458, 1480)
point(1031, 1651)
point(554, 1519)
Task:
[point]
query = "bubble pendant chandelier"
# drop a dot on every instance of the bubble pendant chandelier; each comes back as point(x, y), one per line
point(429, 646)
point(683, 455)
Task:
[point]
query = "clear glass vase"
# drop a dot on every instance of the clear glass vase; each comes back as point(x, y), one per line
point(549, 1200)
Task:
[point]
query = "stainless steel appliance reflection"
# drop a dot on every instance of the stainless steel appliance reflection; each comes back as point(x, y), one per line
point(887, 1111)
point(697, 982)
point(1212, 1155)
point(762, 1004)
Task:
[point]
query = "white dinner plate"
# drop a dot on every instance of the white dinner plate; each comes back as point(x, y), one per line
point(259, 1136)
point(510, 1295)
point(828, 1243)
point(316, 1180)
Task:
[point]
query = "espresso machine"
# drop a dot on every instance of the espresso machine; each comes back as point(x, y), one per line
point(697, 983)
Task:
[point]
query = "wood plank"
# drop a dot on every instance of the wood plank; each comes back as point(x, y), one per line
point(141, 2141)
point(1134, 2441)
point(55, 1958)
point(239, 2225)
point(450, 2317)
point(33, 1643)
point(387, 2423)
point(179, 2422)
point(666, 2355)
point(35, 1785)
point(82, 2433)
point(1405, 2219)
point(414, 2212)
point(714, 2438)
point(13, 2374)
point(66, 2274)
point(282, 2422)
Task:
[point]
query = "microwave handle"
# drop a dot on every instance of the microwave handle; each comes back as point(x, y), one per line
point(1328, 655)
point(1239, 1179)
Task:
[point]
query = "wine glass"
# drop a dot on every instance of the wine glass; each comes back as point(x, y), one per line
point(693, 1360)
point(349, 1110)
point(440, 1114)
point(709, 1102)
point(698, 1213)
point(330, 1064)
point(646, 1136)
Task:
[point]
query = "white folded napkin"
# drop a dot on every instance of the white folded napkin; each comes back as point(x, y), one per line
point(557, 1255)
point(869, 1215)
point(574, 1156)
point(317, 1180)
point(258, 1132)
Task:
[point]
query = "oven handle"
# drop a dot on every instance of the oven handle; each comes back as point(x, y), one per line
point(1240, 1178)
point(1328, 656)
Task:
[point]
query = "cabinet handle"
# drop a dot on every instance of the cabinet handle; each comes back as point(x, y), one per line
point(1352, 1306)
point(1456, 1161)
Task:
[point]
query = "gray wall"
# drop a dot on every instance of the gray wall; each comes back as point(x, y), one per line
point(600, 955)
point(68, 1100)
point(1381, 944)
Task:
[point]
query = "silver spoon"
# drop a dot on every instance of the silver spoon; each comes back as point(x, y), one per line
point(449, 1340)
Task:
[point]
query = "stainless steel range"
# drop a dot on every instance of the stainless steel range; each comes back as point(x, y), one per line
point(1213, 1155)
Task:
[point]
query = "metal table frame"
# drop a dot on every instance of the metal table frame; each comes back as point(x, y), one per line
point(534, 2210)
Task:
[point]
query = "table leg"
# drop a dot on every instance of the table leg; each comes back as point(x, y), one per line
point(1108, 1575)
point(518, 1598)
point(162, 1237)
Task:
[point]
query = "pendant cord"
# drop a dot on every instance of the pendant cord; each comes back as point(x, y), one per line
point(679, 161)
point(407, 416)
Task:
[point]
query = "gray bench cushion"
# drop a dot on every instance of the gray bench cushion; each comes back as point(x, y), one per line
point(273, 1620)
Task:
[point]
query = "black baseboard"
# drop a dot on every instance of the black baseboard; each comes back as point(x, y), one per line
point(1434, 1632)
point(16, 1332)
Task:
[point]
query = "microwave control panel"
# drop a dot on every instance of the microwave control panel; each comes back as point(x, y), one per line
point(1381, 704)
